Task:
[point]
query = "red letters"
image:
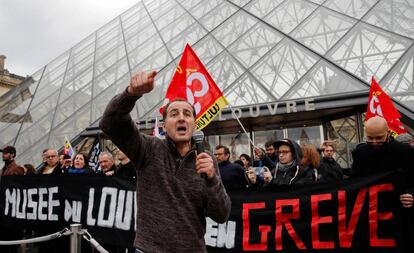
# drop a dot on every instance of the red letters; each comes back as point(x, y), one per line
point(264, 230)
point(346, 233)
point(283, 219)
point(316, 220)
point(374, 216)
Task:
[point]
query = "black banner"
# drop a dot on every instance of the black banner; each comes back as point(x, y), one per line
point(362, 214)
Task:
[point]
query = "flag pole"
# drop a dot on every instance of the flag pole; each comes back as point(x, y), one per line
point(241, 125)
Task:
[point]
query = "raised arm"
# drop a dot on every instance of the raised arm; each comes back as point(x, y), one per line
point(116, 121)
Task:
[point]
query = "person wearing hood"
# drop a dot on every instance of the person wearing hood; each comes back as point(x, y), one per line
point(288, 169)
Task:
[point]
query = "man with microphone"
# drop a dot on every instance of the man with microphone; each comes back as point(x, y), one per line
point(172, 196)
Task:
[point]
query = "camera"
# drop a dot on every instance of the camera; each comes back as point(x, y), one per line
point(259, 171)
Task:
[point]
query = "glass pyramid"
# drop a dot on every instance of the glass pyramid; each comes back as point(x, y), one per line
point(258, 51)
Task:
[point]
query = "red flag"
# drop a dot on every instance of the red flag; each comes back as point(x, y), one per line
point(380, 104)
point(192, 82)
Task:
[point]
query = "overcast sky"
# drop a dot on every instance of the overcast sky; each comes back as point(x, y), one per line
point(34, 32)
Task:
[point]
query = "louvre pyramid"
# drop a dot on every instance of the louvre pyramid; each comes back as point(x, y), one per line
point(258, 51)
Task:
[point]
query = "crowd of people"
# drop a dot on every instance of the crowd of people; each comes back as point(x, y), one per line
point(60, 163)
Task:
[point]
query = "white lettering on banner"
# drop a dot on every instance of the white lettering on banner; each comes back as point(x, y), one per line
point(31, 204)
point(373, 109)
point(109, 222)
point(89, 218)
point(220, 235)
point(73, 211)
point(10, 200)
point(273, 110)
point(123, 219)
point(52, 203)
point(119, 212)
point(22, 205)
point(21, 212)
point(198, 93)
point(42, 204)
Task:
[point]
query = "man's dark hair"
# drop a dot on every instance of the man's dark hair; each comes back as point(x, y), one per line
point(164, 113)
point(226, 149)
point(269, 143)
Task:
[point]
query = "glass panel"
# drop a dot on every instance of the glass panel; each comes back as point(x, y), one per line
point(110, 75)
point(224, 70)
point(261, 8)
point(178, 26)
point(237, 143)
point(32, 154)
point(107, 30)
point(191, 3)
point(36, 132)
point(399, 83)
point(324, 79)
point(116, 42)
point(322, 30)
point(306, 135)
point(75, 85)
point(77, 67)
point(207, 48)
point(240, 3)
point(145, 50)
point(133, 14)
point(367, 51)
point(261, 137)
point(247, 91)
point(100, 102)
point(317, 1)
point(137, 36)
point(109, 60)
point(156, 61)
point(70, 106)
point(170, 16)
point(396, 16)
point(233, 28)
point(289, 14)
point(70, 128)
point(191, 35)
point(255, 43)
point(203, 8)
point(283, 67)
point(217, 16)
point(353, 8)
point(342, 133)
point(159, 9)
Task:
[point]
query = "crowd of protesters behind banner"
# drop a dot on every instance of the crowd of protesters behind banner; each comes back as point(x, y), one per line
point(280, 162)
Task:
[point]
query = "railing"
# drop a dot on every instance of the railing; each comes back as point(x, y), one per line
point(75, 233)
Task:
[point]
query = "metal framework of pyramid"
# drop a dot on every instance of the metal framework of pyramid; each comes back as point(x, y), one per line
point(257, 51)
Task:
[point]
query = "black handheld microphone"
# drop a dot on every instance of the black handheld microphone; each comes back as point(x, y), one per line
point(198, 137)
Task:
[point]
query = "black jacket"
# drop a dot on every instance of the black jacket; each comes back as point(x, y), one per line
point(392, 156)
point(329, 170)
point(232, 175)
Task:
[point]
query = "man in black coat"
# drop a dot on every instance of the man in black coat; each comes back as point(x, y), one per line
point(232, 174)
point(382, 153)
point(329, 169)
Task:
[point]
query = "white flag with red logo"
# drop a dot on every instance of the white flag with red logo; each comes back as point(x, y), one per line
point(193, 83)
point(380, 104)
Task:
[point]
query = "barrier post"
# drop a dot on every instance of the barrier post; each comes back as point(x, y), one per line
point(75, 238)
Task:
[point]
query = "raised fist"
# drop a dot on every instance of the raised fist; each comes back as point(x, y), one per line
point(141, 83)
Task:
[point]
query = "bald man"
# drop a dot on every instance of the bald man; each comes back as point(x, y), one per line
point(382, 153)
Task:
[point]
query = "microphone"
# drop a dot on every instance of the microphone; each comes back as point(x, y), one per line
point(198, 137)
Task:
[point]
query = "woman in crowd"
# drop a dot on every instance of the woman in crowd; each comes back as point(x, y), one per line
point(311, 161)
point(80, 165)
point(245, 158)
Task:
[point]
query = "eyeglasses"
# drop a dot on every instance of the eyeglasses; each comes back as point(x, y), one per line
point(283, 152)
point(51, 156)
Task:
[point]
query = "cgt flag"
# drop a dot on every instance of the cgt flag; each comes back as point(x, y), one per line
point(193, 83)
point(68, 150)
point(380, 104)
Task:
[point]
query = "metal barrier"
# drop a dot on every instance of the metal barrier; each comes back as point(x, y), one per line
point(75, 233)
